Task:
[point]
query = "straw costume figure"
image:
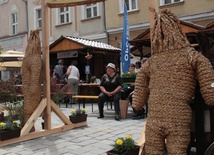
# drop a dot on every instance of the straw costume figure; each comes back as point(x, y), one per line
point(31, 75)
point(167, 81)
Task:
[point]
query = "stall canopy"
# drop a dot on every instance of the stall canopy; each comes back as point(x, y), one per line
point(143, 39)
point(11, 56)
point(68, 43)
point(11, 60)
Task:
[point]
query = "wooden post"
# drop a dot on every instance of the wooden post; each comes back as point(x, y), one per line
point(46, 66)
point(153, 8)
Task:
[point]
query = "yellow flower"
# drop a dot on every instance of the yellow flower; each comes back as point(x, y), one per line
point(83, 109)
point(14, 122)
point(73, 111)
point(129, 73)
point(2, 124)
point(128, 137)
point(119, 142)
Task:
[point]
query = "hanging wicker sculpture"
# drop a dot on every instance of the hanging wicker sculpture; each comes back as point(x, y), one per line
point(167, 82)
point(31, 75)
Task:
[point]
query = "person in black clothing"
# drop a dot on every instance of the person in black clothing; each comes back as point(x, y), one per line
point(110, 87)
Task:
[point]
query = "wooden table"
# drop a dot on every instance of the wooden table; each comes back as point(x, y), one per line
point(83, 97)
point(89, 89)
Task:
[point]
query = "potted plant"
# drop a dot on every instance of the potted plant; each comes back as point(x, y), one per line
point(78, 115)
point(129, 76)
point(12, 107)
point(124, 146)
point(9, 130)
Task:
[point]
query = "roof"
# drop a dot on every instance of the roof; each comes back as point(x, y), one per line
point(210, 25)
point(84, 43)
point(186, 27)
point(143, 39)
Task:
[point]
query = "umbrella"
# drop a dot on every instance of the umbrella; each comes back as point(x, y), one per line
point(10, 65)
point(12, 56)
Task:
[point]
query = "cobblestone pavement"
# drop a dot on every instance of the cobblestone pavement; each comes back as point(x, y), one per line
point(94, 139)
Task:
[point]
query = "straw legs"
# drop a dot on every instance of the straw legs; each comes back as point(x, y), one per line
point(103, 98)
point(172, 137)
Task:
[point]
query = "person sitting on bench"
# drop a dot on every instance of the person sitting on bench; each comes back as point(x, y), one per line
point(110, 87)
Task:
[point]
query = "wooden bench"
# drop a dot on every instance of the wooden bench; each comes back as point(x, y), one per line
point(83, 97)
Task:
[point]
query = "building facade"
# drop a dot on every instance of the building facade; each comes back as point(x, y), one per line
point(197, 12)
point(85, 21)
point(14, 28)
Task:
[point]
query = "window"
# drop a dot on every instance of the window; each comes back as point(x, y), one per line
point(3, 1)
point(163, 2)
point(64, 15)
point(91, 10)
point(131, 5)
point(14, 23)
point(38, 18)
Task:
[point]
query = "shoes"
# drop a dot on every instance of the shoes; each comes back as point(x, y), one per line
point(101, 116)
point(117, 117)
point(137, 116)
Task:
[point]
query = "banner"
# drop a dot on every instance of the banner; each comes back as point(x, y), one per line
point(125, 43)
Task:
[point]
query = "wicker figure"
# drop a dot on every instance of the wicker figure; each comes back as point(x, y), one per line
point(167, 81)
point(31, 75)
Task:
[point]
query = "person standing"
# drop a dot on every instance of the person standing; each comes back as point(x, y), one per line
point(110, 87)
point(73, 79)
point(59, 72)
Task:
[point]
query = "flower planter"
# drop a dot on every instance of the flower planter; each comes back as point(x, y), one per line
point(130, 152)
point(78, 119)
point(8, 134)
point(128, 79)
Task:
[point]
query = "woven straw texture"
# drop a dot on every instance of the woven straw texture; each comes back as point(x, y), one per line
point(31, 75)
point(167, 81)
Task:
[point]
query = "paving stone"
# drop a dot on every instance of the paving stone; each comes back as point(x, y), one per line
point(95, 139)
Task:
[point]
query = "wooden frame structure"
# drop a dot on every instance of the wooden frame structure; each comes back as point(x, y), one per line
point(46, 104)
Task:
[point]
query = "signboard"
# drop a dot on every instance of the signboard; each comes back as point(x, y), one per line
point(71, 54)
point(87, 69)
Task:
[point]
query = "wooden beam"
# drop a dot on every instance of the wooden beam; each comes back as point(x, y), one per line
point(59, 113)
point(46, 65)
point(42, 133)
point(31, 121)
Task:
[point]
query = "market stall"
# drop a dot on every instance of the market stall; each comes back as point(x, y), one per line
point(88, 53)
